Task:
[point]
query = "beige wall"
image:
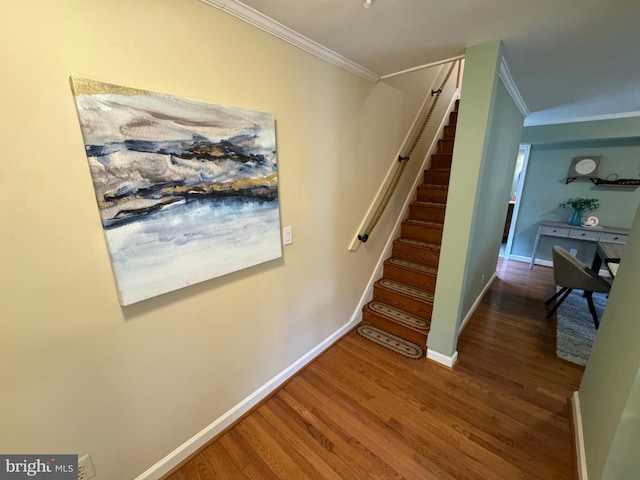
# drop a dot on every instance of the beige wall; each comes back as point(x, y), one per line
point(81, 374)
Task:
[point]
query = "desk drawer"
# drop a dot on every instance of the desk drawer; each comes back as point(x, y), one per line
point(613, 237)
point(555, 231)
point(584, 235)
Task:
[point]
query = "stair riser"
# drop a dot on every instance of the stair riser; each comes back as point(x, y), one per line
point(440, 160)
point(453, 118)
point(436, 195)
point(420, 232)
point(394, 328)
point(408, 304)
point(449, 131)
point(416, 254)
point(410, 277)
point(426, 213)
point(436, 178)
point(445, 145)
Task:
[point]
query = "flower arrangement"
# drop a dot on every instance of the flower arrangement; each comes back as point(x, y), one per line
point(580, 206)
point(584, 204)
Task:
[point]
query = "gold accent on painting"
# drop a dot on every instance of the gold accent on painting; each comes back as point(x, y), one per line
point(84, 86)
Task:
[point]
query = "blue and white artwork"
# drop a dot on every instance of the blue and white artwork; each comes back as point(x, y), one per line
point(186, 190)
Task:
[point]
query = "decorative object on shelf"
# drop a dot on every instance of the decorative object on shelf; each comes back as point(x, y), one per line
point(186, 190)
point(591, 222)
point(583, 167)
point(580, 207)
point(614, 181)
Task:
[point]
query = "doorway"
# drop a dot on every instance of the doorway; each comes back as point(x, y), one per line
point(515, 195)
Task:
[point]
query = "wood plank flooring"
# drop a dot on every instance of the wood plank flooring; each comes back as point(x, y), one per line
point(360, 411)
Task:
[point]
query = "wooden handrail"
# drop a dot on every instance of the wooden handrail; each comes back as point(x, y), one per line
point(404, 160)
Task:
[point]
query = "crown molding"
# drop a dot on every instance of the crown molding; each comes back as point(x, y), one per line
point(277, 29)
point(586, 118)
point(420, 67)
point(512, 88)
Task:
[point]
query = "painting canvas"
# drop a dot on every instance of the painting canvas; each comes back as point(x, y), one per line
point(186, 190)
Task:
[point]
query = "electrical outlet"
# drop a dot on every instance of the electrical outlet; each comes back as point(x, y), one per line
point(573, 252)
point(86, 469)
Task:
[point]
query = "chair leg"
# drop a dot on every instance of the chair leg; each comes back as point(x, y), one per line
point(559, 302)
point(592, 308)
point(556, 295)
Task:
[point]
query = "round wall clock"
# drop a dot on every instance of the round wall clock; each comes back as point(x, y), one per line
point(583, 167)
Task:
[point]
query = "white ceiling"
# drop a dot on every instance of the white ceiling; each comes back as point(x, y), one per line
point(570, 59)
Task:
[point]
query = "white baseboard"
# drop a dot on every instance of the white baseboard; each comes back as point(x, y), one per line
point(450, 361)
point(201, 438)
point(473, 308)
point(578, 432)
point(447, 361)
point(520, 258)
point(548, 263)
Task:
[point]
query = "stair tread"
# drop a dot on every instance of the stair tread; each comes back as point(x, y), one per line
point(418, 267)
point(418, 243)
point(429, 204)
point(400, 316)
point(440, 169)
point(424, 223)
point(407, 290)
point(435, 186)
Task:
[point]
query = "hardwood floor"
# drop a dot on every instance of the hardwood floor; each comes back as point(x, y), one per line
point(360, 412)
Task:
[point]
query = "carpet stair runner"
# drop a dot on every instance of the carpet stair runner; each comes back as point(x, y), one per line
point(403, 298)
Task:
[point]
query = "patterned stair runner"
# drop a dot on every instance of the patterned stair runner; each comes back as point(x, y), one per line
point(390, 341)
point(419, 267)
point(408, 290)
point(418, 243)
point(400, 316)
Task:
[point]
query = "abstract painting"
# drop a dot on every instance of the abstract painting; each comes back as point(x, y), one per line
point(187, 190)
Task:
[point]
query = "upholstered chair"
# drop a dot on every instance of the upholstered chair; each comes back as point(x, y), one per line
point(569, 273)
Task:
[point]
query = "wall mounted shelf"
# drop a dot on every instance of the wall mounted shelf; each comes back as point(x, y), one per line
point(621, 182)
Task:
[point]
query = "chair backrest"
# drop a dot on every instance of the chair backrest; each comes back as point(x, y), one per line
point(570, 272)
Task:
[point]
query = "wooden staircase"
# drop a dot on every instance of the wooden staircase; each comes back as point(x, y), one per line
point(403, 298)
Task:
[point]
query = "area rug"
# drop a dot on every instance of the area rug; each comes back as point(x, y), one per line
point(575, 331)
point(395, 344)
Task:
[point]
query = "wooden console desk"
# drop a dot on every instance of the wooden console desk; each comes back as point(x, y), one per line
point(588, 234)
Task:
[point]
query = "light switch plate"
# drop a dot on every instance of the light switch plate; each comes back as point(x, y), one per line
point(287, 233)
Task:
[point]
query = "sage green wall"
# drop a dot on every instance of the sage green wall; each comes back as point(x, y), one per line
point(545, 188)
point(624, 458)
point(489, 128)
point(492, 197)
point(610, 389)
